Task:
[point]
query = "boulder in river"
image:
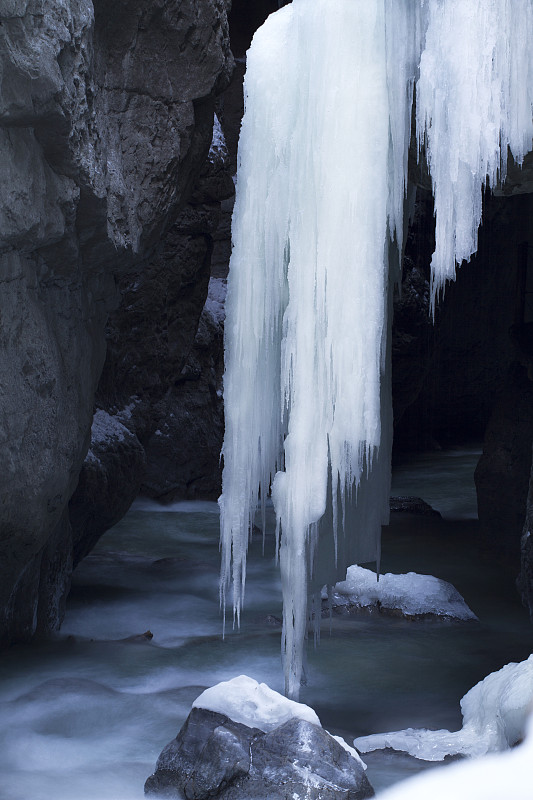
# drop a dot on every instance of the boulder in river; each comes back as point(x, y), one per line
point(215, 757)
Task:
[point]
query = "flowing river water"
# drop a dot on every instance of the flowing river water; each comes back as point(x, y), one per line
point(85, 715)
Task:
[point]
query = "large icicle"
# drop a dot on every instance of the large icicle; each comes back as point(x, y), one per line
point(322, 179)
point(473, 101)
point(322, 152)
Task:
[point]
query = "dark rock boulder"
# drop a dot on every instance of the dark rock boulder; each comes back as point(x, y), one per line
point(215, 757)
point(412, 505)
point(106, 115)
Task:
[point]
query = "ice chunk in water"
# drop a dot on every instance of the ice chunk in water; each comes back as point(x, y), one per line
point(495, 713)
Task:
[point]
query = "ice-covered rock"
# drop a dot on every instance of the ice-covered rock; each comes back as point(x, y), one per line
point(501, 775)
point(409, 595)
point(495, 713)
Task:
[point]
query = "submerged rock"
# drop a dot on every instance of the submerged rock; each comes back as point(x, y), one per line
point(214, 756)
point(413, 505)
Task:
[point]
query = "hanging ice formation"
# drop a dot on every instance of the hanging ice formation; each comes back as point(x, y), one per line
point(317, 229)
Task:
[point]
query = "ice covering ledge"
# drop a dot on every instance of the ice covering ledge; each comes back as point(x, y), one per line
point(495, 713)
point(502, 776)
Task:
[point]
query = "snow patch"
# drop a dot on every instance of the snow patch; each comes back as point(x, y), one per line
point(254, 704)
point(218, 142)
point(105, 428)
point(216, 299)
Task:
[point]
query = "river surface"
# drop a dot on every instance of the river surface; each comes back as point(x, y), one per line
point(85, 716)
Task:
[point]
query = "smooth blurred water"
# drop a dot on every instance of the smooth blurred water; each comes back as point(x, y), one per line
point(86, 715)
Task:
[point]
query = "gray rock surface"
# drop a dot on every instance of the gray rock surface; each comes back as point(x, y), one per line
point(165, 352)
point(105, 121)
point(215, 757)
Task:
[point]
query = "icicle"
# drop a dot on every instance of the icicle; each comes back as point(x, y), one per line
point(318, 222)
point(473, 101)
point(307, 328)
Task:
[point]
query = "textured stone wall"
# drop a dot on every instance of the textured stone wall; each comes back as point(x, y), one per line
point(105, 122)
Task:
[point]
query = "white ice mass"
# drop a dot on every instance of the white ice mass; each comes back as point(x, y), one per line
point(501, 775)
point(254, 704)
point(317, 232)
point(495, 713)
point(410, 594)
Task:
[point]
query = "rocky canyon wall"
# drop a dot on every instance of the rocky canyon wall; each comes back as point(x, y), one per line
point(106, 115)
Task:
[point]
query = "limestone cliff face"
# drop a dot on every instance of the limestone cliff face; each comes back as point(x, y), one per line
point(105, 120)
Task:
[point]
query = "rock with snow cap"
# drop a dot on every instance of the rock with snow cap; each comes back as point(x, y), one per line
point(281, 754)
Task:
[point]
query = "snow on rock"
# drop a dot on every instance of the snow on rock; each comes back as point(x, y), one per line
point(218, 143)
point(216, 298)
point(495, 777)
point(411, 594)
point(495, 713)
point(254, 704)
point(105, 428)
point(351, 750)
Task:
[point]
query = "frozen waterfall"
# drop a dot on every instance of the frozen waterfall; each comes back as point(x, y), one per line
point(317, 237)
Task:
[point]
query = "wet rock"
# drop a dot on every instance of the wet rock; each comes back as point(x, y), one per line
point(215, 757)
